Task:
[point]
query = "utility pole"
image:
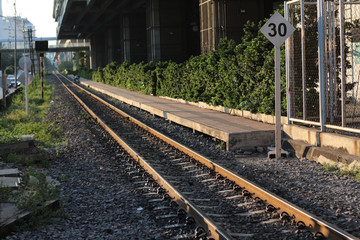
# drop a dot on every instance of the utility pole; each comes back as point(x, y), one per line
point(3, 81)
point(42, 74)
point(15, 71)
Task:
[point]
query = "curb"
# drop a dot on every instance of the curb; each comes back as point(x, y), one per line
point(10, 224)
point(322, 155)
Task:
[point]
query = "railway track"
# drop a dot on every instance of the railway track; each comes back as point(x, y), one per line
point(225, 205)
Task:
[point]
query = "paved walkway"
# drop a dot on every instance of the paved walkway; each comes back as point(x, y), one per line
point(235, 131)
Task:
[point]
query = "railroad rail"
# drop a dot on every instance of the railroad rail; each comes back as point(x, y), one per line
point(270, 209)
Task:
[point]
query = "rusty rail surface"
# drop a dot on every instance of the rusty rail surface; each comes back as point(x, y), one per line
point(200, 217)
point(313, 223)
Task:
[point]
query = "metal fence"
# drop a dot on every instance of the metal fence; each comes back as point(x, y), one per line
point(323, 63)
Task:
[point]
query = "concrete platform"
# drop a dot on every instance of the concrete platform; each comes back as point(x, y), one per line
point(11, 172)
point(11, 216)
point(330, 148)
point(235, 131)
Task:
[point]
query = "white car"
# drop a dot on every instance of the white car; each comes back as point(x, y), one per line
point(11, 78)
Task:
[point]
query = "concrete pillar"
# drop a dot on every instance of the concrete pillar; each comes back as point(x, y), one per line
point(133, 37)
point(125, 38)
point(88, 59)
point(172, 28)
point(153, 30)
point(77, 61)
point(109, 46)
point(92, 61)
point(100, 49)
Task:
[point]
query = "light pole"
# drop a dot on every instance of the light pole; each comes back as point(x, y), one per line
point(15, 71)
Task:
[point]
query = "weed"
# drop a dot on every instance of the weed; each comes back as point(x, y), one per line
point(63, 178)
point(329, 167)
point(353, 172)
point(36, 191)
point(28, 160)
point(5, 193)
point(14, 122)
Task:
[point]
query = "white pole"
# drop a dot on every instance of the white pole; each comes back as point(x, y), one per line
point(277, 104)
point(303, 63)
point(26, 87)
point(320, 15)
point(15, 52)
point(287, 56)
point(341, 11)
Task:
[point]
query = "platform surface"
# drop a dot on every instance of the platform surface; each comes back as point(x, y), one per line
point(236, 131)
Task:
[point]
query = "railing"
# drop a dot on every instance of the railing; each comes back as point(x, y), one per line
point(323, 63)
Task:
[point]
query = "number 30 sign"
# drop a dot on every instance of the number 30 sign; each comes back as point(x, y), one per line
point(277, 29)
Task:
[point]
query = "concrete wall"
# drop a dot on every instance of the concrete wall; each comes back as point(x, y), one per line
point(172, 30)
point(137, 30)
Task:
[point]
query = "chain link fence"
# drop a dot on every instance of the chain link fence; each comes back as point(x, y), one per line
point(339, 102)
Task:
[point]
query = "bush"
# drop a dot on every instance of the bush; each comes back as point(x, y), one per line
point(85, 73)
point(235, 76)
point(65, 66)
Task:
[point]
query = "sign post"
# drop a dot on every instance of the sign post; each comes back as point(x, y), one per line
point(3, 82)
point(42, 74)
point(277, 30)
point(42, 46)
point(25, 64)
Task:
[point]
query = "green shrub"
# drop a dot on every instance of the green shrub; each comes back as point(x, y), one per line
point(235, 76)
point(85, 73)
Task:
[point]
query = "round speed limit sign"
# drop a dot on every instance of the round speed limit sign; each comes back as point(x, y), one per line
point(277, 29)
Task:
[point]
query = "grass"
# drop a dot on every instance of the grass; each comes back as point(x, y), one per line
point(353, 173)
point(33, 195)
point(28, 160)
point(35, 190)
point(14, 122)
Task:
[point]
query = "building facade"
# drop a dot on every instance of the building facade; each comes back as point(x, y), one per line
point(154, 30)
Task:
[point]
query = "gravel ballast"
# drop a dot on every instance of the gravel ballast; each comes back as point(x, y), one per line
point(101, 203)
point(334, 198)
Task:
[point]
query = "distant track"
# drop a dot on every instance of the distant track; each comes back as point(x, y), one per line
point(226, 205)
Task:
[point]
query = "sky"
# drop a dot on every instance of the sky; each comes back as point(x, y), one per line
point(38, 12)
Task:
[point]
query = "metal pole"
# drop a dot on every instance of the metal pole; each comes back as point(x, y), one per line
point(3, 81)
point(15, 61)
point(320, 16)
point(26, 87)
point(334, 70)
point(287, 55)
point(42, 74)
point(303, 58)
point(277, 104)
point(341, 11)
point(330, 61)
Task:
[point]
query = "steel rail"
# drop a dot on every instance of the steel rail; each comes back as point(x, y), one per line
point(312, 222)
point(200, 217)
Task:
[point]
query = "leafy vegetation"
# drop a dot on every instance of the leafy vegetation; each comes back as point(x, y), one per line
point(14, 122)
point(353, 173)
point(235, 76)
point(35, 190)
point(65, 67)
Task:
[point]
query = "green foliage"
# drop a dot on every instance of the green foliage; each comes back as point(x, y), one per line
point(33, 195)
point(28, 160)
point(7, 62)
point(351, 172)
point(66, 66)
point(85, 73)
point(235, 76)
point(36, 191)
point(48, 64)
point(5, 193)
point(14, 122)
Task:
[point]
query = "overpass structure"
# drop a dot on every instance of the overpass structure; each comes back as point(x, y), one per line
point(154, 30)
point(58, 46)
point(58, 49)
